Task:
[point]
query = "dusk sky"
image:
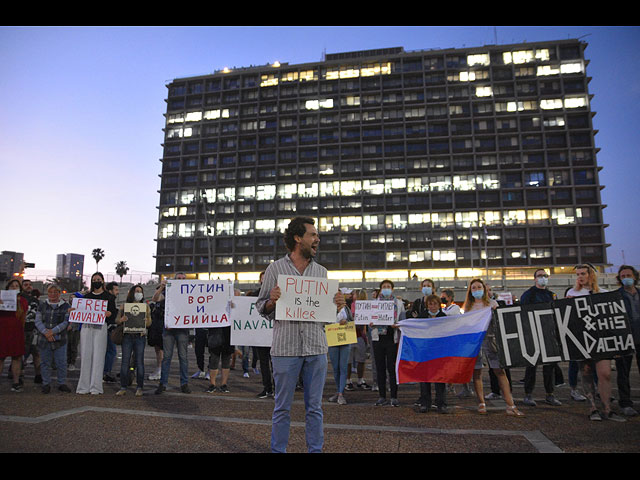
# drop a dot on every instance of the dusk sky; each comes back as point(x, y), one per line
point(82, 119)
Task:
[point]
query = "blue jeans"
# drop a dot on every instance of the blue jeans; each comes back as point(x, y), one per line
point(339, 357)
point(47, 357)
point(169, 339)
point(110, 356)
point(136, 344)
point(285, 375)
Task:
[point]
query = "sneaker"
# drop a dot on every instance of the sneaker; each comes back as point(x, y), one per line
point(185, 388)
point(341, 400)
point(492, 396)
point(577, 396)
point(108, 378)
point(595, 416)
point(530, 402)
point(629, 412)
point(156, 375)
point(256, 371)
point(46, 388)
point(349, 387)
point(245, 375)
point(374, 388)
point(363, 386)
point(199, 374)
point(615, 417)
point(122, 391)
point(265, 394)
point(381, 401)
point(211, 389)
point(224, 389)
point(443, 409)
point(334, 398)
point(423, 408)
point(394, 402)
point(562, 384)
point(138, 392)
point(64, 388)
point(71, 367)
point(553, 401)
point(161, 388)
point(16, 387)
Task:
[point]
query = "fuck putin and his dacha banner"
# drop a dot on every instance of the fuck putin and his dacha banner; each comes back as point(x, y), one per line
point(587, 327)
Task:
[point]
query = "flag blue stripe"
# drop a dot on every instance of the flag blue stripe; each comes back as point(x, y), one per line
point(425, 349)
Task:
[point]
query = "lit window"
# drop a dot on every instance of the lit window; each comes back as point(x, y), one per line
point(484, 92)
point(571, 68)
point(444, 255)
point(268, 80)
point(350, 187)
point(167, 230)
point(224, 227)
point(551, 103)
point(265, 225)
point(545, 70)
point(419, 218)
point(575, 102)
point(478, 59)
point(193, 117)
point(288, 190)
point(186, 229)
point(227, 194)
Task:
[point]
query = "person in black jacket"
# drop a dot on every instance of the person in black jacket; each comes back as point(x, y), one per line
point(539, 293)
point(433, 310)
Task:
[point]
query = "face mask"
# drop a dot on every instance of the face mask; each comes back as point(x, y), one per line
point(138, 296)
point(628, 282)
point(385, 292)
point(477, 293)
point(542, 281)
point(443, 299)
point(96, 285)
point(426, 290)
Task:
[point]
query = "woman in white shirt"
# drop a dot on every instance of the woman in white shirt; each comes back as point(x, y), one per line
point(477, 298)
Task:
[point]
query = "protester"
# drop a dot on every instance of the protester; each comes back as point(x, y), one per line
point(12, 334)
point(73, 340)
point(299, 347)
point(30, 337)
point(539, 293)
point(358, 353)
point(477, 298)
point(264, 357)
point(154, 333)
point(587, 284)
point(52, 322)
point(419, 307)
point(339, 357)
point(433, 311)
point(220, 352)
point(447, 296)
point(385, 347)
point(628, 278)
point(110, 355)
point(93, 341)
point(170, 338)
point(133, 342)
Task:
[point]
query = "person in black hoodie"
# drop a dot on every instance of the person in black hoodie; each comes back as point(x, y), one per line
point(93, 341)
point(433, 310)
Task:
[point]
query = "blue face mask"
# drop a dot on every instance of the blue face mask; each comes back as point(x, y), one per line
point(385, 292)
point(427, 290)
point(628, 282)
point(477, 293)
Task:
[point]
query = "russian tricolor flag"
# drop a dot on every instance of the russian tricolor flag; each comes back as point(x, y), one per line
point(441, 349)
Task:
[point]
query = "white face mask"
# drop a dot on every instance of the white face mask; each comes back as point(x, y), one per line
point(138, 296)
point(542, 281)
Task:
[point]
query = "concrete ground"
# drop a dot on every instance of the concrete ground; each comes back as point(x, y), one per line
point(239, 422)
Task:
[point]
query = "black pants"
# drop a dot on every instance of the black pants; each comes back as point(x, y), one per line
point(384, 352)
point(264, 355)
point(425, 394)
point(200, 344)
point(548, 377)
point(623, 370)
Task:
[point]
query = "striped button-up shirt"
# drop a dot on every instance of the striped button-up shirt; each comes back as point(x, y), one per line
point(292, 338)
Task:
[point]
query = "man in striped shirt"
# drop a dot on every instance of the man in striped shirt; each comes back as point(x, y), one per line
point(298, 346)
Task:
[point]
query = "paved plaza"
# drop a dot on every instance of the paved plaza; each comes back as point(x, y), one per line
point(239, 422)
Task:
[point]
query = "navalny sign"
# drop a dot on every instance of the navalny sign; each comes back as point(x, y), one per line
point(588, 327)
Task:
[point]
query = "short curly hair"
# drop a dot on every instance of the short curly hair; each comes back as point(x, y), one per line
point(297, 226)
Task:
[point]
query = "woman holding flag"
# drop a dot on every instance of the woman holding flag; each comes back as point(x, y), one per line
point(477, 298)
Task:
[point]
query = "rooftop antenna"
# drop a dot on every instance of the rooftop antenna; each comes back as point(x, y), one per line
point(495, 35)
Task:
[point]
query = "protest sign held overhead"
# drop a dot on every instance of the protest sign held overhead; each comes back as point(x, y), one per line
point(249, 327)
point(306, 299)
point(88, 310)
point(198, 303)
point(378, 312)
point(588, 327)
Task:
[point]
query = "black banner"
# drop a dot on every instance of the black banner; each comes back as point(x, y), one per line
point(589, 327)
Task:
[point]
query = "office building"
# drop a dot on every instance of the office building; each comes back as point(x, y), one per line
point(69, 265)
point(440, 163)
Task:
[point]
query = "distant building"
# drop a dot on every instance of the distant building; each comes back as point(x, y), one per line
point(69, 265)
point(435, 163)
point(10, 263)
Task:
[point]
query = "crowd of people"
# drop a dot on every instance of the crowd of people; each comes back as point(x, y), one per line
point(40, 329)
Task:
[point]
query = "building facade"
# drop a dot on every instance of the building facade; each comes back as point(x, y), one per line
point(69, 265)
point(431, 162)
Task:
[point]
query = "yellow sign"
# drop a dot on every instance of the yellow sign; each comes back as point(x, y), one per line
point(340, 334)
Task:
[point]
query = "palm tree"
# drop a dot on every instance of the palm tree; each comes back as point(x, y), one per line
point(121, 269)
point(98, 254)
